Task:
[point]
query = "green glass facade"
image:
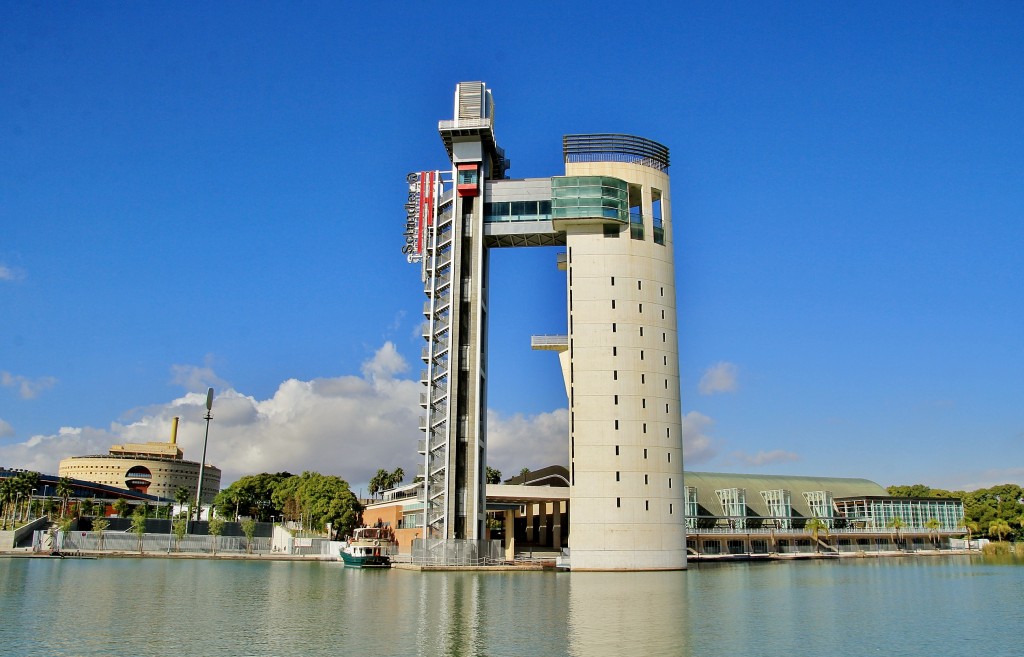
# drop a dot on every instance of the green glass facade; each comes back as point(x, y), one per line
point(585, 197)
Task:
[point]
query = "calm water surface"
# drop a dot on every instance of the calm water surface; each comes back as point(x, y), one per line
point(142, 607)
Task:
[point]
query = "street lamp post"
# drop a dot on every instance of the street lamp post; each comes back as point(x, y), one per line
point(202, 464)
point(30, 498)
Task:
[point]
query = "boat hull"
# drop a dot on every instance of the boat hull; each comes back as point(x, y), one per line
point(365, 562)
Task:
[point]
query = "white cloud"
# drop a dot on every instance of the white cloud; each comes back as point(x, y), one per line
point(720, 377)
point(10, 273)
point(534, 442)
point(987, 479)
point(765, 458)
point(194, 378)
point(698, 446)
point(27, 388)
point(5, 429)
point(348, 426)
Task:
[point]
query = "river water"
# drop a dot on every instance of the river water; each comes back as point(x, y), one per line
point(923, 606)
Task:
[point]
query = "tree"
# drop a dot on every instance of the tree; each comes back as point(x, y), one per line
point(64, 491)
point(99, 525)
point(139, 525)
point(6, 497)
point(396, 477)
point(896, 524)
point(999, 528)
point(319, 499)
point(252, 495)
point(970, 526)
point(933, 525)
point(524, 472)
point(216, 528)
point(249, 529)
point(182, 497)
point(121, 507)
point(378, 482)
point(493, 475)
point(179, 526)
point(816, 526)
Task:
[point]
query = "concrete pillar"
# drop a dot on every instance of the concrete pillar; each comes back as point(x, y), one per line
point(529, 522)
point(542, 510)
point(510, 535)
point(556, 525)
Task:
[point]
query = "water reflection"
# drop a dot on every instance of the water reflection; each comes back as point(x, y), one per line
point(628, 614)
point(143, 607)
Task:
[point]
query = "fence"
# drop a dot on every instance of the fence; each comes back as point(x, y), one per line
point(454, 552)
point(163, 543)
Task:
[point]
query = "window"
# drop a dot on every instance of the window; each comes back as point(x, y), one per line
point(616, 397)
point(647, 505)
point(611, 230)
point(645, 452)
point(616, 475)
point(641, 354)
point(670, 457)
point(615, 375)
point(613, 304)
point(616, 450)
point(670, 482)
point(613, 280)
point(639, 285)
point(613, 327)
point(645, 431)
point(643, 403)
point(618, 502)
point(616, 425)
point(641, 307)
point(645, 480)
point(641, 331)
point(615, 351)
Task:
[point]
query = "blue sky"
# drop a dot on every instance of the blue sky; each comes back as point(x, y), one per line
point(197, 196)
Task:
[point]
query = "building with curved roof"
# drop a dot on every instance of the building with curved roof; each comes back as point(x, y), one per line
point(153, 468)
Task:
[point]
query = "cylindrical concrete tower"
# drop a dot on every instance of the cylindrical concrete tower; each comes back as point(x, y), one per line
point(626, 459)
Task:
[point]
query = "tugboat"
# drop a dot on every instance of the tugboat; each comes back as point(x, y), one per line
point(370, 547)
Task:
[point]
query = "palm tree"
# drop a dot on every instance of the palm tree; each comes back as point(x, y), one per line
point(121, 507)
point(816, 526)
point(971, 527)
point(933, 525)
point(999, 528)
point(6, 495)
point(896, 524)
point(64, 491)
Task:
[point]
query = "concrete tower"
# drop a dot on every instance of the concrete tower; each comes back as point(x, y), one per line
point(611, 211)
point(626, 460)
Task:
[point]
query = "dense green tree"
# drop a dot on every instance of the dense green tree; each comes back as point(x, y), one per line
point(317, 500)
point(493, 475)
point(252, 496)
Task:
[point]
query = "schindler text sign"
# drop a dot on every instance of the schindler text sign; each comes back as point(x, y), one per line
point(419, 212)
